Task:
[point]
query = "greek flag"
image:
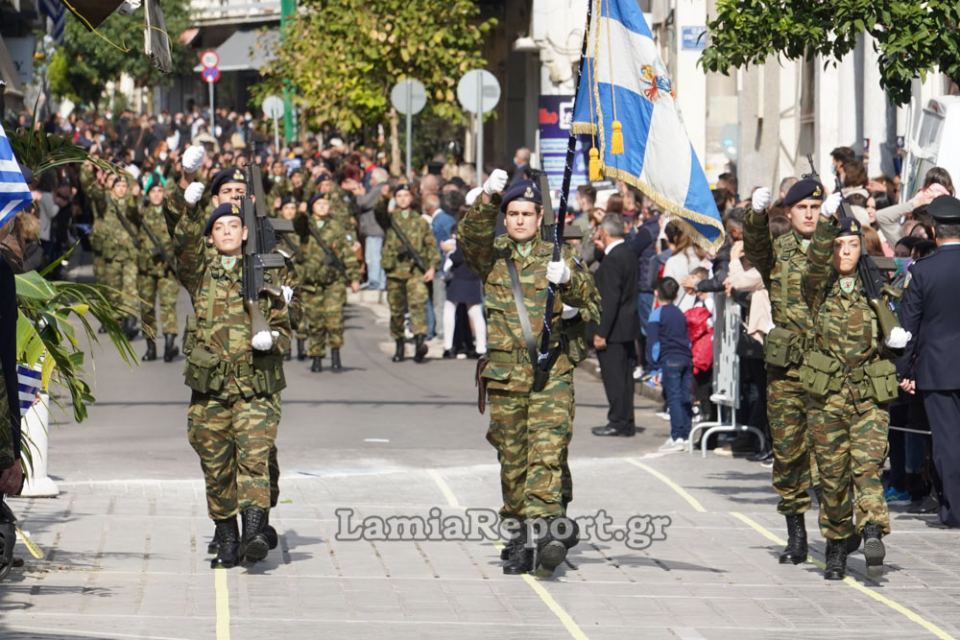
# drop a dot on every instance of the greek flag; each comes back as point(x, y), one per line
point(627, 104)
point(14, 192)
point(29, 383)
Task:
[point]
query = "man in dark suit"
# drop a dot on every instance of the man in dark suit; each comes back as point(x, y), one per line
point(619, 327)
point(929, 311)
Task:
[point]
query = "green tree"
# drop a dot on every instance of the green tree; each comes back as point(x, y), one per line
point(911, 37)
point(343, 57)
point(81, 67)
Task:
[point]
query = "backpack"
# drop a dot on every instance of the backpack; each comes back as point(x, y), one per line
point(701, 338)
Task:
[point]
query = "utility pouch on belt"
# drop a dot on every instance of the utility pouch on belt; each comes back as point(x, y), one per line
point(820, 374)
point(779, 349)
point(190, 335)
point(481, 383)
point(268, 373)
point(203, 372)
point(883, 380)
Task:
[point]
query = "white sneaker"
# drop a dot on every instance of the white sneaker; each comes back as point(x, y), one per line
point(637, 373)
point(663, 415)
point(668, 445)
point(673, 446)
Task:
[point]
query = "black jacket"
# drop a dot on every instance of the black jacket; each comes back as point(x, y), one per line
point(930, 312)
point(617, 283)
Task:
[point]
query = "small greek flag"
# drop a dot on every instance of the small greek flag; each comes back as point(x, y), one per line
point(627, 104)
point(29, 385)
point(14, 192)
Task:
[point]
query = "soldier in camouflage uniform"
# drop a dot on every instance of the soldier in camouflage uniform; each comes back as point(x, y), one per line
point(406, 283)
point(290, 250)
point(529, 428)
point(850, 373)
point(325, 271)
point(92, 182)
point(236, 380)
point(782, 263)
point(156, 276)
point(119, 249)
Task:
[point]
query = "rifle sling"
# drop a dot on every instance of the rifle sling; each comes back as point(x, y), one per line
point(522, 312)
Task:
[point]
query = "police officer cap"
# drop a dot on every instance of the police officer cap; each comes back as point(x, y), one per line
point(802, 190)
point(232, 174)
point(523, 191)
point(945, 209)
point(850, 227)
point(223, 210)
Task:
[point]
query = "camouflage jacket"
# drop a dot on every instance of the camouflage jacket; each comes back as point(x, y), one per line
point(781, 263)
point(149, 259)
point(315, 265)
point(220, 322)
point(115, 242)
point(510, 368)
point(289, 248)
point(395, 259)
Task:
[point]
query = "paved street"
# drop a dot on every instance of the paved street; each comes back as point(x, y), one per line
point(124, 546)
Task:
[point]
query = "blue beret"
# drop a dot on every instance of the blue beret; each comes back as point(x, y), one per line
point(850, 227)
point(223, 210)
point(945, 209)
point(524, 191)
point(232, 174)
point(802, 190)
point(313, 199)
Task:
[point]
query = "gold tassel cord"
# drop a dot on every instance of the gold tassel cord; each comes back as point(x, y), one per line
point(616, 141)
point(594, 167)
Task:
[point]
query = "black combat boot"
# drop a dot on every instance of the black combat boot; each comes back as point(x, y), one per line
point(170, 349)
point(151, 353)
point(254, 545)
point(420, 352)
point(796, 549)
point(398, 355)
point(853, 543)
point(317, 365)
point(520, 557)
point(214, 545)
point(836, 568)
point(512, 529)
point(301, 349)
point(8, 539)
point(272, 538)
point(130, 327)
point(335, 359)
point(560, 536)
point(873, 549)
point(227, 538)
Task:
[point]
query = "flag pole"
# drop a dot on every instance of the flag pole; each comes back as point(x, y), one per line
point(543, 355)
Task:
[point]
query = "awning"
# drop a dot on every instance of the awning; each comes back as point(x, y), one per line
point(246, 50)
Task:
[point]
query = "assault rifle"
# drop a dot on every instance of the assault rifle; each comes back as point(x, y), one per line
point(386, 221)
point(258, 250)
point(328, 250)
point(158, 249)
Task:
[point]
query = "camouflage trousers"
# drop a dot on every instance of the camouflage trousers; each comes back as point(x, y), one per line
point(274, 470)
point(403, 295)
point(323, 317)
point(531, 433)
point(850, 449)
point(165, 288)
point(233, 437)
point(120, 274)
point(794, 465)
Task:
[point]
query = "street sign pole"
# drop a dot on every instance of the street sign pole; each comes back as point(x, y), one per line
point(409, 111)
point(478, 92)
point(479, 112)
point(408, 97)
point(213, 116)
point(276, 134)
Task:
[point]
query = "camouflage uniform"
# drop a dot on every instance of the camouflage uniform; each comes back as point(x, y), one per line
point(782, 263)
point(406, 290)
point(156, 279)
point(848, 426)
point(530, 429)
point(324, 290)
point(97, 200)
point(119, 252)
point(235, 406)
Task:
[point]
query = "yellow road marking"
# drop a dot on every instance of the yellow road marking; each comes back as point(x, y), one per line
point(910, 615)
point(223, 603)
point(670, 483)
point(565, 618)
point(30, 544)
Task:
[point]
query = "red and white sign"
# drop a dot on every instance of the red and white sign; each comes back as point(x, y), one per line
point(210, 74)
point(209, 59)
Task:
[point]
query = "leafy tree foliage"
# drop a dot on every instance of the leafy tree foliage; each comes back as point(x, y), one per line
point(912, 37)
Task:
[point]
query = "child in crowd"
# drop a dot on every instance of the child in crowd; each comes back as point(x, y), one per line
point(668, 330)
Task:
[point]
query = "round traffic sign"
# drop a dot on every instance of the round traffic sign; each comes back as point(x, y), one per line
point(273, 107)
point(478, 91)
point(210, 74)
point(408, 96)
point(209, 59)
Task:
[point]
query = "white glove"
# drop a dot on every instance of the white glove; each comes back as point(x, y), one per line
point(193, 193)
point(558, 272)
point(472, 195)
point(496, 182)
point(829, 207)
point(569, 312)
point(287, 293)
point(899, 337)
point(761, 199)
point(193, 158)
point(263, 340)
